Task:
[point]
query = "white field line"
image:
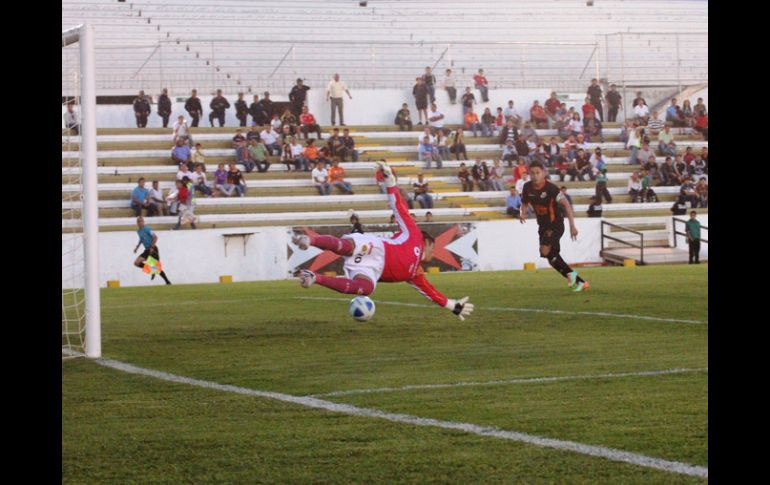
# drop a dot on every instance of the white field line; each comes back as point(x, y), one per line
point(524, 380)
point(591, 450)
point(527, 310)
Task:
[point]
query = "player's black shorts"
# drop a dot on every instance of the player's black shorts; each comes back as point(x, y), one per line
point(154, 253)
point(550, 235)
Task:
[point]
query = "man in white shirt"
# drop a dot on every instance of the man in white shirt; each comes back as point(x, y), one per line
point(429, 134)
point(510, 113)
point(321, 179)
point(642, 113)
point(184, 171)
point(334, 91)
point(435, 117)
point(156, 198)
point(270, 138)
point(182, 130)
point(449, 86)
point(71, 120)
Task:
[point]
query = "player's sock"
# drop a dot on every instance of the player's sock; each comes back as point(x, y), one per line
point(557, 263)
point(337, 245)
point(163, 275)
point(355, 286)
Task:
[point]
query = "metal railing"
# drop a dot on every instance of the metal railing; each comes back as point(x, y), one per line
point(683, 221)
point(639, 246)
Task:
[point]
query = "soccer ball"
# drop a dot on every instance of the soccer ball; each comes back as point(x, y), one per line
point(361, 308)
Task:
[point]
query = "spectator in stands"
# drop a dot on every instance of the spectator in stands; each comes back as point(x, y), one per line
point(220, 181)
point(538, 116)
point(285, 136)
point(420, 93)
point(258, 116)
point(458, 145)
point(295, 150)
point(404, 118)
point(613, 103)
point(646, 152)
point(598, 161)
point(275, 123)
point(594, 207)
point(430, 83)
point(633, 144)
point(164, 107)
point(267, 108)
point(666, 143)
point(181, 154)
point(427, 152)
point(156, 199)
point(688, 113)
point(520, 183)
point(320, 178)
point(468, 100)
point(218, 106)
point(638, 100)
point(180, 201)
point(668, 173)
point(702, 125)
point(337, 178)
point(654, 125)
point(297, 96)
point(519, 170)
point(688, 156)
point(429, 216)
point(236, 180)
point(442, 144)
point(308, 123)
point(499, 121)
point(592, 128)
point(575, 126)
point(183, 172)
point(681, 166)
point(551, 152)
point(687, 192)
point(641, 113)
point(588, 109)
point(647, 194)
point(141, 110)
point(513, 203)
point(652, 170)
point(241, 110)
point(71, 119)
point(450, 86)
point(472, 122)
point(552, 107)
point(241, 145)
point(480, 174)
point(199, 181)
point(510, 132)
point(702, 189)
point(698, 169)
point(496, 174)
point(481, 83)
point(570, 147)
point(522, 148)
point(334, 143)
point(422, 193)
point(334, 92)
point(601, 187)
point(270, 139)
point(510, 113)
point(634, 187)
point(357, 228)
point(583, 166)
point(672, 113)
point(193, 107)
point(310, 155)
point(258, 154)
point(435, 117)
point(527, 132)
point(562, 124)
point(700, 108)
point(287, 157)
point(289, 121)
point(465, 178)
point(426, 132)
point(140, 199)
point(348, 146)
point(595, 94)
point(705, 156)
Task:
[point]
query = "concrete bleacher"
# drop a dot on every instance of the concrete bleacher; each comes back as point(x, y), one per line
point(279, 196)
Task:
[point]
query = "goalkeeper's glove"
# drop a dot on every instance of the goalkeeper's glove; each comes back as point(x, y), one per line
point(460, 307)
point(390, 177)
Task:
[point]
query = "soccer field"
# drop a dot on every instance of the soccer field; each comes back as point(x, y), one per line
point(620, 368)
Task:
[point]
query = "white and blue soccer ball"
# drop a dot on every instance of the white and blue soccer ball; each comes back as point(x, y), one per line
point(361, 308)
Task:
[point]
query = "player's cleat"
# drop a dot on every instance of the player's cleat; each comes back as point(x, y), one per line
point(301, 240)
point(584, 286)
point(152, 277)
point(572, 277)
point(390, 178)
point(306, 278)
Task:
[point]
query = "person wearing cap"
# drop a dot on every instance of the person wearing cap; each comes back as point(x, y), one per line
point(334, 92)
point(218, 106)
point(297, 97)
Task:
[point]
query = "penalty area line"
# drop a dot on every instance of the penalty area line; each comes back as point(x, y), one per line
point(310, 402)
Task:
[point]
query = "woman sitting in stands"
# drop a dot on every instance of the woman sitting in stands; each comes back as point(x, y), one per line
point(288, 119)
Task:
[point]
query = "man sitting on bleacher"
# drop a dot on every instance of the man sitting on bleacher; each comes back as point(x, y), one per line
point(140, 199)
point(337, 178)
point(181, 154)
point(320, 178)
point(349, 146)
point(270, 138)
point(308, 123)
point(236, 180)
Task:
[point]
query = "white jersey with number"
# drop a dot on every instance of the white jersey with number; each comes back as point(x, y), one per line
point(368, 257)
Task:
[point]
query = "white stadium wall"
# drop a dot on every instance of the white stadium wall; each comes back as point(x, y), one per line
point(199, 256)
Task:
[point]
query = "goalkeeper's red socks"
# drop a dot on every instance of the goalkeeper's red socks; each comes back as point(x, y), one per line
point(337, 245)
point(355, 286)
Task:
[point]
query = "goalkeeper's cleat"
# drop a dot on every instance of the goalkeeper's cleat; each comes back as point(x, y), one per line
point(301, 240)
point(306, 278)
point(572, 277)
point(390, 177)
point(584, 286)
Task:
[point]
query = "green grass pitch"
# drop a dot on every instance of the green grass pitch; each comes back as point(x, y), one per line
point(122, 428)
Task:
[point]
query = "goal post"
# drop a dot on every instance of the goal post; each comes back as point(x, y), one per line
point(81, 308)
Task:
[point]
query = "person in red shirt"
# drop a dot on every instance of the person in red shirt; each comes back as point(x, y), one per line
point(702, 125)
point(308, 123)
point(589, 110)
point(538, 116)
point(482, 85)
point(519, 170)
point(370, 258)
point(552, 106)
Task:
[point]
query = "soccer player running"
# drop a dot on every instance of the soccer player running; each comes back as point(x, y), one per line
point(150, 240)
point(369, 258)
point(550, 205)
